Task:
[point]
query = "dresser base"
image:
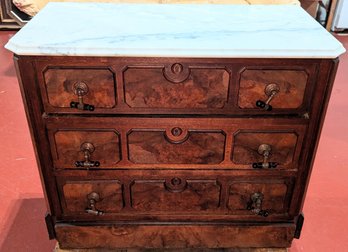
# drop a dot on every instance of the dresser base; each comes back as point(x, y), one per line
point(175, 236)
point(58, 249)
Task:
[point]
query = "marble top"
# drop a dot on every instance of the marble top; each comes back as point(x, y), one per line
point(175, 30)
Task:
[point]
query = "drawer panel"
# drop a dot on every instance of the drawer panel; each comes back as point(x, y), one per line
point(257, 85)
point(264, 197)
point(261, 146)
point(176, 86)
point(87, 148)
point(96, 87)
point(94, 197)
point(176, 146)
point(175, 195)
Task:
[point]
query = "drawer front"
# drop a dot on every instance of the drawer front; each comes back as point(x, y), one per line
point(284, 89)
point(97, 148)
point(263, 197)
point(176, 86)
point(95, 87)
point(258, 147)
point(167, 86)
point(179, 143)
point(175, 195)
point(94, 197)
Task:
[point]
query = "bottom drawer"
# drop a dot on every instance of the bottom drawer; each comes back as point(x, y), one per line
point(174, 236)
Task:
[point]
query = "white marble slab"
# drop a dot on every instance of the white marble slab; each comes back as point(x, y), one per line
point(247, 31)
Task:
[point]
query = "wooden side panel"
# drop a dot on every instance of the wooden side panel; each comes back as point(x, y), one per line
point(186, 88)
point(68, 147)
point(246, 145)
point(60, 86)
point(292, 85)
point(175, 236)
point(274, 196)
point(76, 193)
point(175, 195)
point(157, 147)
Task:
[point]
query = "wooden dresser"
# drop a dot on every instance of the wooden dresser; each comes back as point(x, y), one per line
point(159, 130)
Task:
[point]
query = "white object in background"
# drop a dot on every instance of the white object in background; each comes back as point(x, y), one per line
point(340, 21)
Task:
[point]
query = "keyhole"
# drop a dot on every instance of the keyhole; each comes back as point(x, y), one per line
point(176, 131)
point(176, 181)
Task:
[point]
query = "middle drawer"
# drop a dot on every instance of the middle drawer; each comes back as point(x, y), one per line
point(147, 143)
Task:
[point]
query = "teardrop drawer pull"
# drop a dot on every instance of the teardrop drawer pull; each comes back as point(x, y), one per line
point(265, 151)
point(255, 205)
point(270, 90)
point(93, 198)
point(81, 89)
point(87, 149)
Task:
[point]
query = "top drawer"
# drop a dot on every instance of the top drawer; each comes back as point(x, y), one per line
point(177, 86)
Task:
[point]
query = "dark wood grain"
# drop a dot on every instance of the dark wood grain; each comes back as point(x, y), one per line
point(274, 193)
point(148, 86)
point(148, 143)
point(60, 86)
point(246, 144)
point(68, 146)
point(178, 195)
point(175, 236)
point(76, 192)
point(292, 86)
point(186, 196)
point(203, 88)
point(151, 147)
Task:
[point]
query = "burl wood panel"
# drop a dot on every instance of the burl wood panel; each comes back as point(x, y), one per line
point(246, 145)
point(175, 195)
point(274, 194)
point(292, 84)
point(60, 86)
point(68, 147)
point(154, 147)
point(175, 236)
point(76, 192)
point(150, 88)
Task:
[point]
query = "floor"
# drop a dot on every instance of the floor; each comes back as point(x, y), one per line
point(22, 206)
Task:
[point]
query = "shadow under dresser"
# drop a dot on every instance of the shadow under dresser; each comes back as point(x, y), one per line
point(159, 130)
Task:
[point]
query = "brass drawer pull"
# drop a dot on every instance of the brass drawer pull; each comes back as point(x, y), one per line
point(93, 198)
point(81, 89)
point(270, 90)
point(255, 205)
point(87, 149)
point(265, 151)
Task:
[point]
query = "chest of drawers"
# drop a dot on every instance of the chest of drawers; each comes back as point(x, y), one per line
point(173, 150)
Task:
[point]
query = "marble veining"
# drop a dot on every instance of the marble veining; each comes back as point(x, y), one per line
point(165, 30)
